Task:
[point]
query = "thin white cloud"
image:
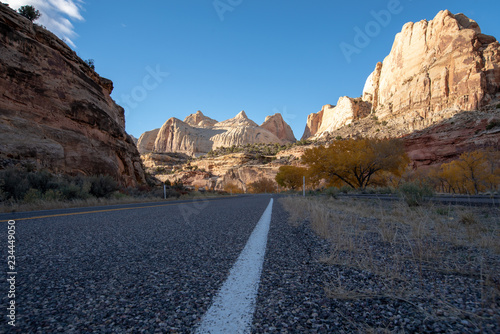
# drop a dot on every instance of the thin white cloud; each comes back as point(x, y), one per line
point(56, 15)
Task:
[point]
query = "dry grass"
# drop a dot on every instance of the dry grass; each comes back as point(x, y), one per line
point(91, 202)
point(408, 250)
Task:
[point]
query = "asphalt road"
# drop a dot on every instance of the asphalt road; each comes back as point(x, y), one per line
point(150, 267)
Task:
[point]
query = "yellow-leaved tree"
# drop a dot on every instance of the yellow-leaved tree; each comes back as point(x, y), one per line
point(290, 176)
point(472, 172)
point(232, 188)
point(356, 162)
point(262, 186)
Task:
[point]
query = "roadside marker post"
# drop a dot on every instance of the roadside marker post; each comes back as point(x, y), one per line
point(303, 186)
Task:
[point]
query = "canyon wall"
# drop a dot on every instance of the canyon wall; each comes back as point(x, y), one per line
point(56, 112)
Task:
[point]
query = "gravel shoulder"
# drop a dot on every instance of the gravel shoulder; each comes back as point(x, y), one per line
point(314, 285)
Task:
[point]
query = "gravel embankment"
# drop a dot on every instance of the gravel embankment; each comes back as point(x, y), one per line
point(293, 292)
point(133, 271)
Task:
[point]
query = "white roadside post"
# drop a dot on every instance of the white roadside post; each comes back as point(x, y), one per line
point(164, 191)
point(304, 186)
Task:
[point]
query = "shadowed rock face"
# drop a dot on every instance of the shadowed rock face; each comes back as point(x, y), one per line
point(55, 111)
point(198, 134)
point(435, 69)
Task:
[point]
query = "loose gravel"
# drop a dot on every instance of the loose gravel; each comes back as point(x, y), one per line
point(301, 292)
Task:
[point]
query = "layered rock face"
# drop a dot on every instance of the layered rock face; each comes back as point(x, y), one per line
point(331, 117)
point(198, 134)
point(435, 65)
point(236, 168)
point(55, 111)
point(435, 70)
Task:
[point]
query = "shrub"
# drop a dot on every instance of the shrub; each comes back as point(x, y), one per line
point(345, 189)
point(32, 195)
point(91, 63)
point(41, 180)
point(14, 183)
point(52, 195)
point(415, 194)
point(332, 192)
point(468, 218)
point(103, 186)
point(492, 124)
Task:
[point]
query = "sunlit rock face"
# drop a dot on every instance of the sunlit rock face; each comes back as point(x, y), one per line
point(199, 134)
point(435, 70)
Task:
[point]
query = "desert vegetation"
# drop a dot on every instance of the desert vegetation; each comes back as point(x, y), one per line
point(371, 163)
point(28, 189)
point(443, 262)
point(256, 149)
point(29, 12)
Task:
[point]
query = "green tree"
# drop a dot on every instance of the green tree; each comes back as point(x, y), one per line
point(91, 63)
point(29, 12)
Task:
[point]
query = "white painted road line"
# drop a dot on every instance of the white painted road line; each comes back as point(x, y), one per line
point(233, 307)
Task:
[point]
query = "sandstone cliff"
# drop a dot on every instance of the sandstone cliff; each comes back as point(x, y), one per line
point(330, 118)
point(435, 70)
point(198, 134)
point(277, 126)
point(435, 65)
point(146, 141)
point(55, 111)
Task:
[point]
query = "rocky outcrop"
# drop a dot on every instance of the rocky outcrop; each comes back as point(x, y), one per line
point(177, 136)
point(435, 65)
point(331, 117)
point(238, 121)
point(446, 140)
point(198, 134)
point(238, 169)
point(55, 111)
point(436, 69)
point(146, 141)
point(277, 126)
point(200, 120)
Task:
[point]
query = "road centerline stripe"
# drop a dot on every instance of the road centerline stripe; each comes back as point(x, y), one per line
point(233, 307)
point(89, 212)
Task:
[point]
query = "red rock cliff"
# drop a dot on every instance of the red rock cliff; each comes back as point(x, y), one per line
point(55, 111)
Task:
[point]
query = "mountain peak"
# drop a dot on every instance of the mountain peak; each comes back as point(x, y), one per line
point(241, 114)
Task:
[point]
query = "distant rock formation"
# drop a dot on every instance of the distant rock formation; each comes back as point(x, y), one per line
point(331, 117)
point(277, 126)
point(435, 70)
point(200, 120)
point(55, 111)
point(198, 134)
point(146, 141)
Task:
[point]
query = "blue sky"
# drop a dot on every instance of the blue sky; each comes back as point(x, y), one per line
point(172, 58)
